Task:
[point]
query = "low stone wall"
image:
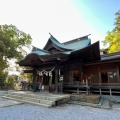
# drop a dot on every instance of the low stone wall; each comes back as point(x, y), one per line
point(85, 98)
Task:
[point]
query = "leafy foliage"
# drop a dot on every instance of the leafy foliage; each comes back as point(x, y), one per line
point(12, 42)
point(113, 38)
point(11, 81)
point(3, 76)
point(27, 76)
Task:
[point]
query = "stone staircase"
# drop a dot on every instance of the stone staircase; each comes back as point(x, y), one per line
point(42, 99)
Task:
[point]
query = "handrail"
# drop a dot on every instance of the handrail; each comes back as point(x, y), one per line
point(105, 84)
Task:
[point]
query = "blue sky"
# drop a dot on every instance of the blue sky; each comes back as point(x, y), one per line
point(99, 13)
point(64, 19)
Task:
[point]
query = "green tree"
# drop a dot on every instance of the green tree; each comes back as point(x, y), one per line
point(11, 81)
point(12, 43)
point(113, 37)
point(27, 76)
point(3, 76)
point(12, 46)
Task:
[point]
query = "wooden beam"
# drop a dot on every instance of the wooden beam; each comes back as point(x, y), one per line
point(28, 71)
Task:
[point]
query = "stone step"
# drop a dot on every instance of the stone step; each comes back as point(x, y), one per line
point(34, 103)
point(2, 93)
point(106, 104)
point(38, 98)
point(31, 99)
point(50, 97)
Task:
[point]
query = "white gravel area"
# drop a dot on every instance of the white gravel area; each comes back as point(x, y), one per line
point(63, 112)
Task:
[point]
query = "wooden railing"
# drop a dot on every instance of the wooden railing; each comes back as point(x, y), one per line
point(105, 84)
point(76, 83)
point(77, 86)
point(93, 87)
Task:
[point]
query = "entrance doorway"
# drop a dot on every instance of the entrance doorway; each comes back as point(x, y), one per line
point(104, 77)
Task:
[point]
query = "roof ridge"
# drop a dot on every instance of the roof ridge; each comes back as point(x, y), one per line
point(54, 38)
point(75, 40)
point(56, 44)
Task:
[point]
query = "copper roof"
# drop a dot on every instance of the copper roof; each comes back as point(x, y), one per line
point(62, 51)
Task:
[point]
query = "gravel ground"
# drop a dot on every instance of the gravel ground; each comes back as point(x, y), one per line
point(2, 99)
point(63, 112)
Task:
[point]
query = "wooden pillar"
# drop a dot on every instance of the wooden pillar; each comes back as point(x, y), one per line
point(80, 75)
point(56, 76)
point(81, 69)
point(100, 91)
point(99, 73)
point(110, 92)
point(118, 76)
point(34, 79)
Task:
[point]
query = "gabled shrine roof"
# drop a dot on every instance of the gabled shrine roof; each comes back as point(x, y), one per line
point(39, 51)
point(71, 45)
point(55, 50)
point(53, 42)
point(79, 44)
point(65, 48)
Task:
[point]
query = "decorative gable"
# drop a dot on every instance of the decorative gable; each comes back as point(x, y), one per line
point(53, 45)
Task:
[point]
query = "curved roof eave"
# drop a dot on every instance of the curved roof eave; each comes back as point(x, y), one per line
point(79, 44)
point(44, 57)
point(94, 47)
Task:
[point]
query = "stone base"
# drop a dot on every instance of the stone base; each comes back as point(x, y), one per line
point(92, 98)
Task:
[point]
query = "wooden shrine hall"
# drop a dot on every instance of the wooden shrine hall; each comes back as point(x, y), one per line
point(74, 66)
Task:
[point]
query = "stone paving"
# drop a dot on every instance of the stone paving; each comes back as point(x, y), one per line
point(6, 102)
point(14, 110)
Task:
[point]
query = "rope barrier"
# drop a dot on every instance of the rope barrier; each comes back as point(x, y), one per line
point(45, 72)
